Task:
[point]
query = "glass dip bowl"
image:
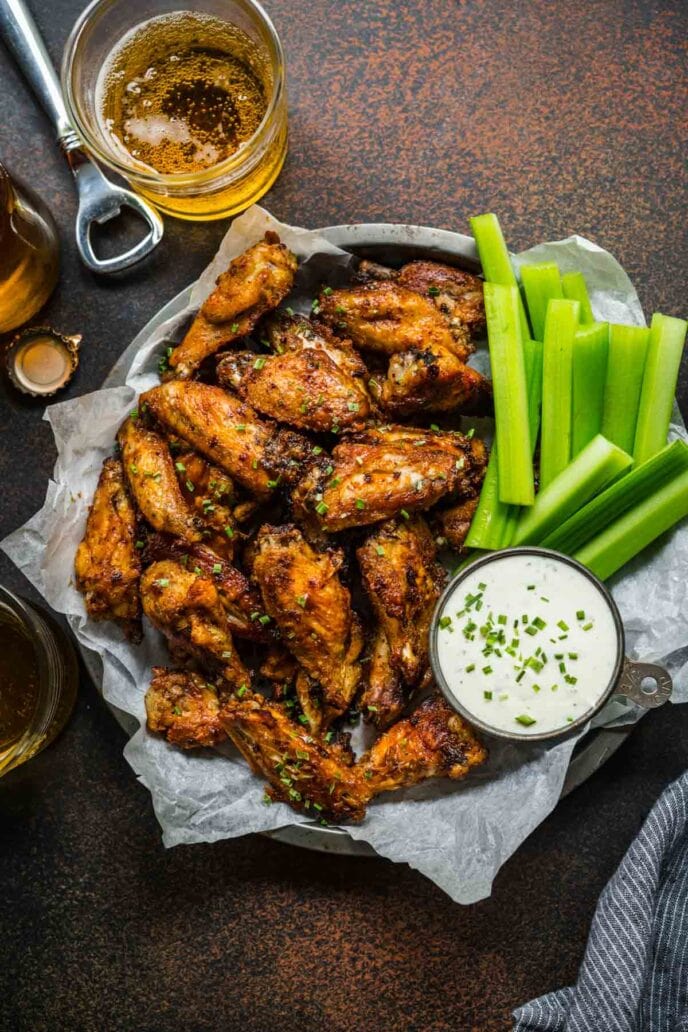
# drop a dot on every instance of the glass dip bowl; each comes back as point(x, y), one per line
point(527, 643)
point(213, 192)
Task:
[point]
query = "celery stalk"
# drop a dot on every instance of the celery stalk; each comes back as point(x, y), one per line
point(590, 352)
point(561, 324)
point(540, 283)
point(618, 498)
point(495, 259)
point(625, 367)
point(574, 288)
point(494, 522)
point(664, 351)
point(598, 463)
point(510, 395)
point(636, 529)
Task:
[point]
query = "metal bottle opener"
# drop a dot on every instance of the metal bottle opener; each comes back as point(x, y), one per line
point(99, 199)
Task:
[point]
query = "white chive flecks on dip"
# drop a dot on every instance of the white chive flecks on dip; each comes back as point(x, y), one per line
point(527, 644)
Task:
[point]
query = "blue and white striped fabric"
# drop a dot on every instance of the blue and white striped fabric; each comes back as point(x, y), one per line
point(634, 976)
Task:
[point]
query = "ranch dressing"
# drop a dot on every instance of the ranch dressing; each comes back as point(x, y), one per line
point(527, 643)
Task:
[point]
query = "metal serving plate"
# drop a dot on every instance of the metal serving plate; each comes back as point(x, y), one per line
point(389, 244)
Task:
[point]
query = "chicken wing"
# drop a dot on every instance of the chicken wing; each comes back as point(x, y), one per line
point(184, 708)
point(304, 595)
point(153, 482)
point(187, 609)
point(303, 771)
point(386, 472)
point(428, 348)
point(403, 582)
point(452, 524)
point(433, 742)
point(241, 601)
point(457, 294)
point(229, 433)
point(254, 283)
point(107, 562)
point(386, 317)
point(312, 382)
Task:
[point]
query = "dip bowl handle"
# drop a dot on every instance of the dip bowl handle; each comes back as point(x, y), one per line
point(646, 684)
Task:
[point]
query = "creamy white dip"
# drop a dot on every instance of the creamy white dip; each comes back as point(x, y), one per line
point(527, 643)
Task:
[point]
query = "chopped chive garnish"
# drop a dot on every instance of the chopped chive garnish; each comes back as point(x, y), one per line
point(504, 696)
point(229, 531)
point(501, 619)
point(445, 621)
point(487, 669)
point(139, 544)
point(580, 615)
point(259, 363)
point(301, 601)
point(526, 720)
point(531, 587)
point(482, 587)
point(539, 623)
point(360, 504)
point(573, 655)
point(317, 449)
point(519, 677)
point(180, 466)
point(404, 513)
point(321, 508)
point(563, 625)
point(487, 695)
point(470, 668)
point(264, 619)
point(531, 630)
point(536, 687)
point(379, 549)
point(543, 599)
point(587, 627)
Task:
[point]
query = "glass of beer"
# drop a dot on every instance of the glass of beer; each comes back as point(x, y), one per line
point(189, 105)
point(29, 253)
point(38, 680)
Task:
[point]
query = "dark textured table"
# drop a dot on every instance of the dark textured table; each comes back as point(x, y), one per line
point(561, 117)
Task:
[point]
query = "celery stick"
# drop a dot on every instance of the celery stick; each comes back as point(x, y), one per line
point(557, 382)
point(598, 463)
point(495, 259)
point(636, 529)
point(667, 336)
point(573, 285)
point(590, 352)
point(494, 522)
point(510, 395)
point(533, 358)
point(540, 283)
point(620, 496)
point(625, 367)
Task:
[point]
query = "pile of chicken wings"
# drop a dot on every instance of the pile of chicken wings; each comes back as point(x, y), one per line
point(273, 517)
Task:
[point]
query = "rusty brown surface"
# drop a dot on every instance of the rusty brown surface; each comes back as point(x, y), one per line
point(561, 117)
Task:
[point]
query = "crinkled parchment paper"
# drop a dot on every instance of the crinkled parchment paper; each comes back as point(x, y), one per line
point(457, 834)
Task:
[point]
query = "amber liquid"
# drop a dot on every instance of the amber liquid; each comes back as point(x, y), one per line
point(29, 257)
point(19, 685)
point(181, 94)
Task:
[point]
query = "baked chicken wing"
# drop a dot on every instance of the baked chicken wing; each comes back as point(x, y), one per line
point(403, 582)
point(433, 742)
point(312, 776)
point(386, 472)
point(304, 595)
point(108, 563)
point(241, 601)
point(254, 283)
point(186, 608)
point(211, 495)
point(312, 381)
point(153, 482)
point(229, 433)
point(184, 708)
point(427, 348)
point(457, 294)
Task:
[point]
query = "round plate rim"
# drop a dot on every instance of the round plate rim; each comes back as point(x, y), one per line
point(597, 747)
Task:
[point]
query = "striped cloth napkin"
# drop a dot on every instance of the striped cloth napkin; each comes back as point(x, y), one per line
point(634, 976)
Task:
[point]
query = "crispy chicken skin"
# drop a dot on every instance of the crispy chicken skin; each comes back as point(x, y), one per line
point(184, 708)
point(302, 770)
point(312, 382)
point(241, 601)
point(403, 582)
point(209, 493)
point(427, 348)
point(254, 283)
point(186, 608)
point(433, 742)
point(457, 294)
point(385, 472)
point(107, 562)
point(230, 434)
point(304, 595)
point(453, 524)
point(153, 482)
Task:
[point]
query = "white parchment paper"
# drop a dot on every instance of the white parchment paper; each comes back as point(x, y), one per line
point(457, 834)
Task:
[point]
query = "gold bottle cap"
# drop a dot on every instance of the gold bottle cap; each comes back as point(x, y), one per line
point(41, 361)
